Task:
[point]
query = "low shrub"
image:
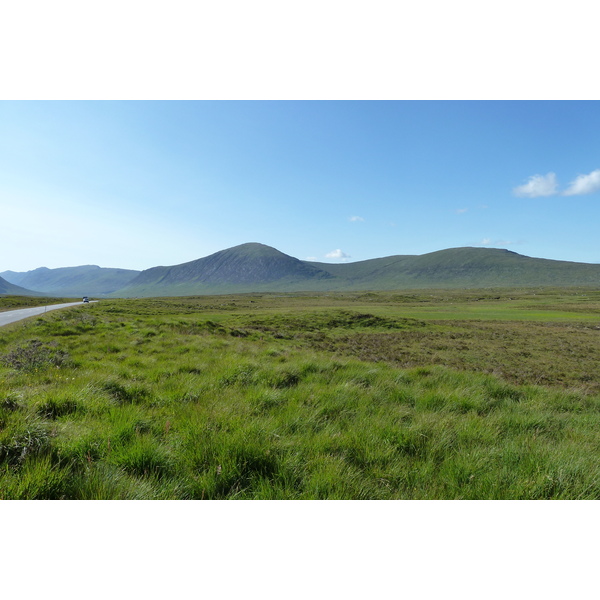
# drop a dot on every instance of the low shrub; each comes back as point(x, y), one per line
point(35, 356)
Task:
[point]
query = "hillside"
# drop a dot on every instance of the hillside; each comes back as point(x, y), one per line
point(463, 268)
point(248, 267)
point(256, 267)
point(72, 281)
point(7, 288)
point(259, 268)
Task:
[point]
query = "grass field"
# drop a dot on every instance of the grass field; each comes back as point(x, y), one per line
point(412, 395)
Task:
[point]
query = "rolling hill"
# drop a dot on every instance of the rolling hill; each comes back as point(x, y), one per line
point(256, 267)
point(88, 280)
point(463, 268)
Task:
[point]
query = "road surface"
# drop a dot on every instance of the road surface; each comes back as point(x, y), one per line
point(10, 316)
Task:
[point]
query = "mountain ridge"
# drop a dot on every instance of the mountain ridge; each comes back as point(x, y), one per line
point(255, 267)
point(72, 281)
point(227, 271)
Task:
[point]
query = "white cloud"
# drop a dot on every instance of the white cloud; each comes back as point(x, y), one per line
point(538, 185)
point(584, 184)
point(499, 243)
point(337, 254)
point(460, 211)
point(354, 219)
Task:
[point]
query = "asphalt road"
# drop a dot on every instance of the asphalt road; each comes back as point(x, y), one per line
point(10, 316)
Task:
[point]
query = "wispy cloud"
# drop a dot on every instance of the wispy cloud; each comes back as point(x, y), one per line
point(584, 184)
point(460, 211)
point(337, 254)
point(355, 219)
point(538, 185)
point(499, 243)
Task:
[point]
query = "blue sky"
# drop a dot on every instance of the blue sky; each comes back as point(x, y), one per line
point(135, 184)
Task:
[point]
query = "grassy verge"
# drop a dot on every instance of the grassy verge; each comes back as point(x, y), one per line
point(300, 396)
point(16, 302)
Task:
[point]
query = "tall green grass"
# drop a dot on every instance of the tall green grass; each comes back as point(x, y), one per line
point(157, 401)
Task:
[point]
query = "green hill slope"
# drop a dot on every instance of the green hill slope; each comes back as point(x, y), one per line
point(479, 267)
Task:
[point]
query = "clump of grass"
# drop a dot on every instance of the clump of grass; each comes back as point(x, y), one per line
point(266, 401)
point(104, 481)
point(122, 394)
point(22, 440)
point(53, 408)
point(284, 378)
point(242, 375)
point(37, 479)
point(10, 403)
point(232, 464)
point(143, 457)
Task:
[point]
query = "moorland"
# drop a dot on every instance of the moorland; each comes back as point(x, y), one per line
point(430, 394)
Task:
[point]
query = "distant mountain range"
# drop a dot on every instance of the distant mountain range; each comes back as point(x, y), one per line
point(90, 280)
point(258, 268)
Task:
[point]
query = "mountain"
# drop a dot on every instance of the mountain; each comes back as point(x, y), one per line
point(256, 267)
point(7, 288)
point(88, 280)
point(245, 268)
